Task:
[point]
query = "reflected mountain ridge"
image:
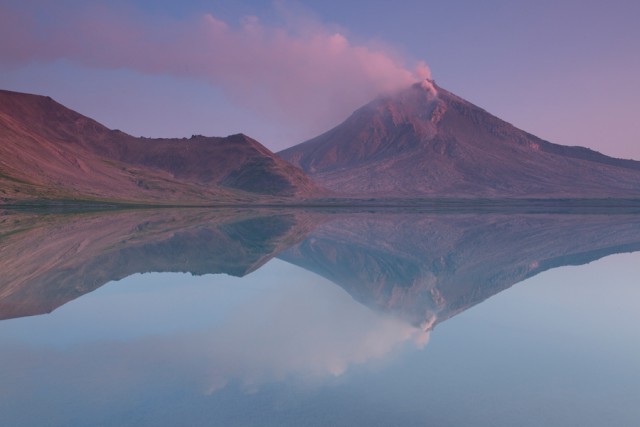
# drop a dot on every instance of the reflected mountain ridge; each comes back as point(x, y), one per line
point(54, 259)
point(422, 268)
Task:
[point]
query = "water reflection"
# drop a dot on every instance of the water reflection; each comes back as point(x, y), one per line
point(423, 268)
point(308, 329)
point(320, 329)
point(429, 268)
point(48, 261)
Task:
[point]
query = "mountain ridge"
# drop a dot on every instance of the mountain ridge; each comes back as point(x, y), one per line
point(51, 152)
point(421, 142)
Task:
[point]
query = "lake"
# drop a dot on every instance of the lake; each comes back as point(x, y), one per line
point(314, 317)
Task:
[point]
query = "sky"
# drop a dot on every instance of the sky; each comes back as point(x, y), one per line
point(284, 71)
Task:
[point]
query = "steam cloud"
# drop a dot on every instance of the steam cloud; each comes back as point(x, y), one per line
point(301, 71)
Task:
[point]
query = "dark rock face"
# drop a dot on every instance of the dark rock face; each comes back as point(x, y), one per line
point(49, 151)
point(425, 141)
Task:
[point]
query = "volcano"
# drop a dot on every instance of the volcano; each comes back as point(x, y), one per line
point(426, 141)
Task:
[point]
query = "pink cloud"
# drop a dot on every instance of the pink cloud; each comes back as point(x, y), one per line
point(301, 73)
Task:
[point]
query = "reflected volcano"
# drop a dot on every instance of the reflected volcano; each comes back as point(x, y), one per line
point(423, 268)
point(430, 268)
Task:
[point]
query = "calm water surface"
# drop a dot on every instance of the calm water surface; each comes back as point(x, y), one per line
point(457, 320)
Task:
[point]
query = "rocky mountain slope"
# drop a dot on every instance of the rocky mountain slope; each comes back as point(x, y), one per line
point(50, 152)
point(426, 141)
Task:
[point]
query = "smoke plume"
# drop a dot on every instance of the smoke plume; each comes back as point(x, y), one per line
point(299, 72)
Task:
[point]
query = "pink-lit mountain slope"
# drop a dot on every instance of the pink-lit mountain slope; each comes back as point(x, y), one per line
point(426, 141)
point(48, 151)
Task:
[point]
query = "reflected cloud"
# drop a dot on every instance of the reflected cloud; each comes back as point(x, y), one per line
point(304, 335)
point(302, 330)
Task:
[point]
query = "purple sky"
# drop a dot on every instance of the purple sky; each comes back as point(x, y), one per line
point(283, 71)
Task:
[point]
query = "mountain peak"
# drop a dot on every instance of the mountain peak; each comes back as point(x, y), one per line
point(426, 141)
